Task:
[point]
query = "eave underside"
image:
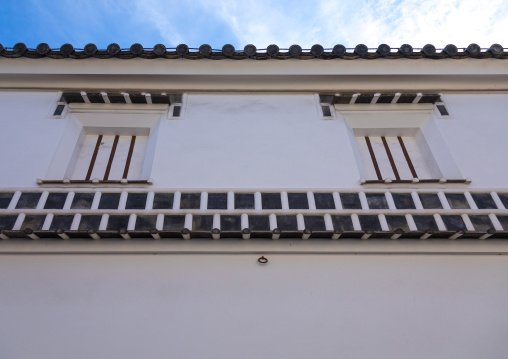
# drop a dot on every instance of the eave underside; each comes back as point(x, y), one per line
point(229, 75)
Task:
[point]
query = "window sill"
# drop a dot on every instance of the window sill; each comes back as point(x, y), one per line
point(416, 181)
point(94, 182)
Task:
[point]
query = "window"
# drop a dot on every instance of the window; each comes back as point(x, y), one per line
point(112, 157)
point(399, 144)
point(324, 107)
point(59, 108)
point(107, 143)
point(442, 110)
point(396, 157)
point(177, 107)
point(326, 111)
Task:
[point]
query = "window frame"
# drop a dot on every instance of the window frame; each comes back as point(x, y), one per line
point(119, 119)
point(394, 120)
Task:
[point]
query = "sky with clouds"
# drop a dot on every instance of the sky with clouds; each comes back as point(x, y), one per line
point(259, 22)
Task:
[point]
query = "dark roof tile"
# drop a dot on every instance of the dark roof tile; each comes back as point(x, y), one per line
point(250, 51)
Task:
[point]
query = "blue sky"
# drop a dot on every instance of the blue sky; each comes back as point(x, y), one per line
point(260, 22)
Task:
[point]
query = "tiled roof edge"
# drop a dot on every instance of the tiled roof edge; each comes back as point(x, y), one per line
point(361, 51)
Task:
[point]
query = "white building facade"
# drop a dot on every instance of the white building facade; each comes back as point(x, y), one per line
point(222, 204)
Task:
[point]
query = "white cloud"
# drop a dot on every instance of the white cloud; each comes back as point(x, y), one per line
point(371, 22)
point(265, 22)
point(419, 22)
point(328, 22)
point(160, 13)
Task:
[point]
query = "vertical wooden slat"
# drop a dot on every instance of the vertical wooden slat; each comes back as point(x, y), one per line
point(390, 158)
point(111, 157)
point(408, 159)
point(129, 157)
point(373, 157)
point(94, 158)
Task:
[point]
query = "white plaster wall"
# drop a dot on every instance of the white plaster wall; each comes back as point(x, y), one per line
point(256, 141)
point(28, 139)
point(253, 141)
point(477, 137)
point(229, 306)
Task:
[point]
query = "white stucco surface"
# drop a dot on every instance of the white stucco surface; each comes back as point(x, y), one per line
point(477, 136)
point(230, 306)
point(254, 127)
point(234, 141)
point(271, 140)
point(28, 139)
